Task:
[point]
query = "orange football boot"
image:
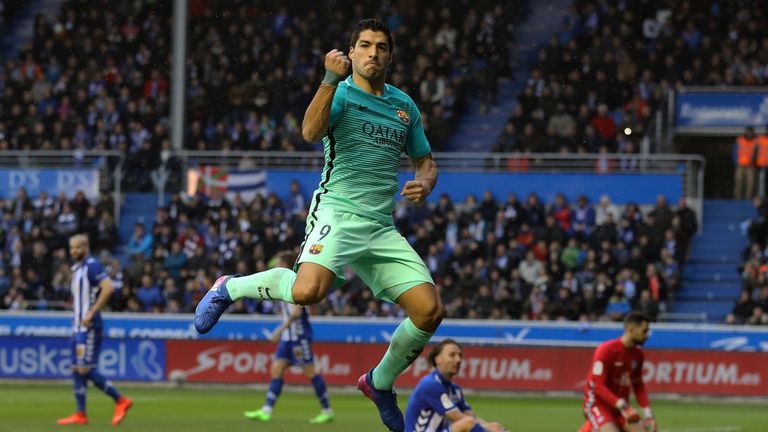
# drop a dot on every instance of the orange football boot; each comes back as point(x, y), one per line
point(76, 418)
point(121, 408)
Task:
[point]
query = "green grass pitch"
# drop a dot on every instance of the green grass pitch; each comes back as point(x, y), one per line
point(35, 407)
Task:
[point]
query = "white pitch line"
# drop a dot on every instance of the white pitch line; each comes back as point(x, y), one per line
point(708, 429)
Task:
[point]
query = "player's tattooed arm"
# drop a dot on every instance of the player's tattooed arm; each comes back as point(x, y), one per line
point(318, 115)
point(418, 189)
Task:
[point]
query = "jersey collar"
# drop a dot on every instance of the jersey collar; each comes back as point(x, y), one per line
point(79, 264)
point(351, 82)
point(440, 378)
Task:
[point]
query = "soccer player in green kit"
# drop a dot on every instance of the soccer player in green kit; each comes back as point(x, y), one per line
point(365, 125)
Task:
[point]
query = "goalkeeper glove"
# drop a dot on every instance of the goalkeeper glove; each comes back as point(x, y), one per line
point(649, 424)
point(627, 411)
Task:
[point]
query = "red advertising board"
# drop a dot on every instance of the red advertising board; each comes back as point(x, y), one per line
point(498, 368)
point(707, 372)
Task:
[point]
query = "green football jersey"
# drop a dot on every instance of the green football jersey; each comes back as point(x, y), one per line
point(366, 137)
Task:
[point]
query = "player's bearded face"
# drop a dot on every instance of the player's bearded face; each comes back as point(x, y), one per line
point(371, 55)
point(76, 250)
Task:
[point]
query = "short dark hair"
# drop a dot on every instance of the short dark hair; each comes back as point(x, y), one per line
point(437, 349)
point(635, 318)
point(375, 25)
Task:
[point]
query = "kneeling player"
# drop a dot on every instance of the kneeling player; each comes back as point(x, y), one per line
point(617, 368)
point(437, 404)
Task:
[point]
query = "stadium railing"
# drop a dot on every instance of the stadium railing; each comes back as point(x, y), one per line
point(671, 317)
point(110, 165)
point(690, 167)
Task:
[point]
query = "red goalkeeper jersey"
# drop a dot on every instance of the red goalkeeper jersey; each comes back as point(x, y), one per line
point(615, 371)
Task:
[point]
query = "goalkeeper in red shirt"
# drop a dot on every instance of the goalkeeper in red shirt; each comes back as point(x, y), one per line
point(617, 368)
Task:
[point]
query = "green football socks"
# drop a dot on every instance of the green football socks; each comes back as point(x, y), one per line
point(273, 284)
point(407, 343)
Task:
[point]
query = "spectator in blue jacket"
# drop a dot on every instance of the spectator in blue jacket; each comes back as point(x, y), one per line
point(175, 260)
point(582, 218)
point(140, 242)
point(149, 294)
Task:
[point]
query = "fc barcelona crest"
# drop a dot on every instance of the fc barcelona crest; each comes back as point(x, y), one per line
point(315, 249)
point(403, 116)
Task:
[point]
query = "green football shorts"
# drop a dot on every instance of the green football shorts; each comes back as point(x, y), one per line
point(377, 253)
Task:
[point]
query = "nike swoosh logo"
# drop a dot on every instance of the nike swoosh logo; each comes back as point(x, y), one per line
point(363, 107)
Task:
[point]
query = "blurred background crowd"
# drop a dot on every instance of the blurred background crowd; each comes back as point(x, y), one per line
point(520, 258)
point(97, 77)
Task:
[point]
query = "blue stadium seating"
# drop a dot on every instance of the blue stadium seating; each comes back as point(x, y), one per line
point(478, 131)
point(137, 207)
point(711, 282)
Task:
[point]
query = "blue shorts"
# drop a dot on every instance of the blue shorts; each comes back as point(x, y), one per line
point(296, 353)
point(86, 346)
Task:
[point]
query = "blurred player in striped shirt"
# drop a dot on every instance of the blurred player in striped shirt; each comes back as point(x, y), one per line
point(294, 339)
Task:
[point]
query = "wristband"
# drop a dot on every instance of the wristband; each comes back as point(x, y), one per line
point(332, 79)
point(647, 412)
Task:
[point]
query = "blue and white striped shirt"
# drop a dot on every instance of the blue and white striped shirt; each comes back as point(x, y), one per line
point(432, 398)
point(86, 277)
point(299, 328)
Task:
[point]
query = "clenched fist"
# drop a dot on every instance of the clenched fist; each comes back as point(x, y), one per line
point(416, 190)
point(336, 64)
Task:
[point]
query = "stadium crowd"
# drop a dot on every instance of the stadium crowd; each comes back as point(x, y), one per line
point(517, 258)
point(35, 268)
point(96, 76)
point(751, 307)
point(92, 78)
point(611, 64)
point(253, 71)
